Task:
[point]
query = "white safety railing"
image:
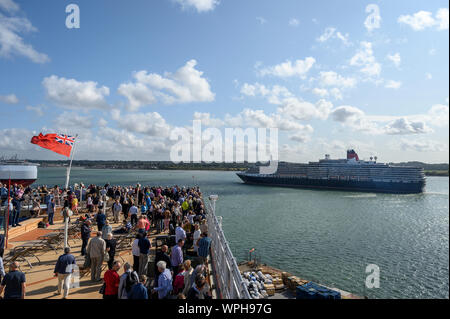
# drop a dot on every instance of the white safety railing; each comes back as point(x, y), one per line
point(230, 282)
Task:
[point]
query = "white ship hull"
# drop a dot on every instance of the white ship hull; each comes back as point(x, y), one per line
point(21, 174)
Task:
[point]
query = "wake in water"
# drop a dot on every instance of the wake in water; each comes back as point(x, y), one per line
point(436, 193)
point(370, 195)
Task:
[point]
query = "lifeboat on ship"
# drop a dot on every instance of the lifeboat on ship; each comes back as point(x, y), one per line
point(19, 172)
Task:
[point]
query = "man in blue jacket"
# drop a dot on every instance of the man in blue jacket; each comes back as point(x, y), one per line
point(164, 281)
point(51, 210)
point(101, 220)
point(144, 245)
point(64, 268)
point(85, 236)
point(139, 291)
point(17, 203)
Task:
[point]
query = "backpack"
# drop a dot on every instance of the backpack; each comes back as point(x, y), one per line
point(178, 284)
point(42, 225)
point(130, 281)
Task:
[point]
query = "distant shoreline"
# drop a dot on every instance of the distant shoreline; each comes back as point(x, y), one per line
point(206, 167)
point(231, 169)
point(437, 173)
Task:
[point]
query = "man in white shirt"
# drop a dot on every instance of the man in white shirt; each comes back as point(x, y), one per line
point(117, 209)
point(133, 213)
point(179, 233)
point(197, 235)
point(136, 252)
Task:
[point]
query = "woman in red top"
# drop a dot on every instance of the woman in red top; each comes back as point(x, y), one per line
point(112, 281)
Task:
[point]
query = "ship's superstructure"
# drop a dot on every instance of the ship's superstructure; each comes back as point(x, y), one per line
point(342, 174)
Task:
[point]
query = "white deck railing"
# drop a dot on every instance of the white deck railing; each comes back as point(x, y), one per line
point(228, 276)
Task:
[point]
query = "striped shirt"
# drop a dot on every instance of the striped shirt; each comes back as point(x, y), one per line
point(176, 257)
point(203, 246)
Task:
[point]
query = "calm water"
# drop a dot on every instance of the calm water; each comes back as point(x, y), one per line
point(329, 237)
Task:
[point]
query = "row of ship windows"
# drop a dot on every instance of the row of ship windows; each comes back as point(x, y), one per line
point(390, 179)
point(350, 173)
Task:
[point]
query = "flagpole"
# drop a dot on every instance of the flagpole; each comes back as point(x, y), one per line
point(7, 216)
point(70, 165)
point(66, 218)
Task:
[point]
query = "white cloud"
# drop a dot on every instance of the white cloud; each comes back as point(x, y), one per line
point(328, 33)
point(184, 86)
point(331, 78)
point(336, 93)
point(14, 139)
point(343, 38)
point(303, 110)
point(254, 89)
point(72, 94)
point(438, 115)
point(36, 109)
point(288, 69)
point(301, 137)
point(442, 19)
point(418, 21)
point(102, 122)
point(391, 84)
point(428, 76)
point(151, 123)
point(72, 123)
point(355, 119)
point(403, 126)
point(395, 58)
point(423, 19)
point(207, 120)
point(11, 42)
point(332, 33)
point(421, 145)
point(199, 5)
point(346, 113)
point(110, 143)
point(320, 92)
point(274, 95)
point(365, 59)
point(294, 22)
point(137, 94)
point(257, 118)
point(115, 114)
point(9, 5)
point(9, 99)
point(122, 138)
point(289, 105)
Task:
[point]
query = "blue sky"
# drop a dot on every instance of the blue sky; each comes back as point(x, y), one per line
point(131, 74)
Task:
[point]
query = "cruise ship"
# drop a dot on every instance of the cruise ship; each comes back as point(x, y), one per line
point(18, 172)
point(350, 174)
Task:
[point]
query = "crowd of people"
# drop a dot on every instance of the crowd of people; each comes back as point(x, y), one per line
point(177, 212)
point(35, 197)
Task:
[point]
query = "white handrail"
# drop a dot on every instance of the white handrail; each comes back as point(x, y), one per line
point(229, 278)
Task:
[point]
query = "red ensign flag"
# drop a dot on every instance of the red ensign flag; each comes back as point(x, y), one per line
point(58, 143)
